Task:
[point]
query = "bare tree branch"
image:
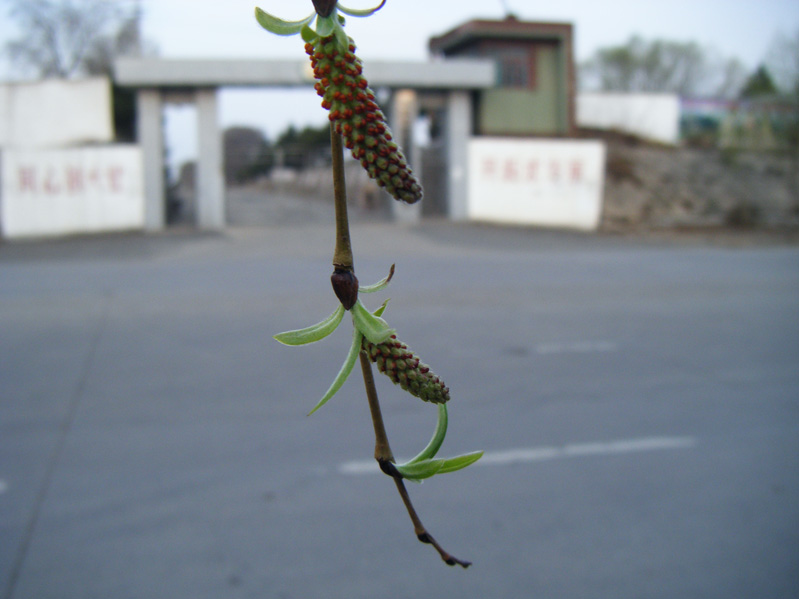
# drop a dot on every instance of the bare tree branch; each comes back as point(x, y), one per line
point(783, 61)
point(643, 66)
point(64, 38)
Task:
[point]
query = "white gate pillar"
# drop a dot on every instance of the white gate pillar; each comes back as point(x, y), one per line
point(458, 130)
point(403, 112)
point(151, 138)
point(210, 178)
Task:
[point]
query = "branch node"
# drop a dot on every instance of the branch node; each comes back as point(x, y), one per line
point(388, 468)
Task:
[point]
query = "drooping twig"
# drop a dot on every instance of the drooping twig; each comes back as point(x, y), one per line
point(343, 263)
point(385, 460)
point(420, 530)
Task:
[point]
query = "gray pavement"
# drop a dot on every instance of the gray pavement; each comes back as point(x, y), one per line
point(638, 400)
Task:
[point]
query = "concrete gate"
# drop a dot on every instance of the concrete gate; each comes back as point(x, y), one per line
point(444, 85)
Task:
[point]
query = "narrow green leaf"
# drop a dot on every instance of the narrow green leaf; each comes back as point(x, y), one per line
point(278, 26)
point(326, 25)
point(353, 12)
point(374, 328)
point(460, 462)
point(380, 285)
point(345, 371)
point(426, 468)
point(438, 437)
point(420, 470)
point(381, 309)
point(314, 332)
point(309, 36)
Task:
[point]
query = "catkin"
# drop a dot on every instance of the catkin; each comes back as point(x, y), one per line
point(404, 368)
point(358, 119)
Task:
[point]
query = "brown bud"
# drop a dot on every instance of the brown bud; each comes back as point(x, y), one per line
point(345, 286)
point(324, 7)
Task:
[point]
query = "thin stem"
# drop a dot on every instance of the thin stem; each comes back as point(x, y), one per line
point(383, 453)
point(420, 530)
point(342, 255)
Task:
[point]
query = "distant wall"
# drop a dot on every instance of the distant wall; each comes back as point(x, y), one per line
point(655, 117)
point(55, 112)
point(545, 182)
point(52, 182)
point(63, 191)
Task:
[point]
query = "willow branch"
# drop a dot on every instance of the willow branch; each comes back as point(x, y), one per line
point(343, 280)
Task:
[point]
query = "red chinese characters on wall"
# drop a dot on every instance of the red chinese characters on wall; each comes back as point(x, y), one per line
point(69, 180)
point(533, 170)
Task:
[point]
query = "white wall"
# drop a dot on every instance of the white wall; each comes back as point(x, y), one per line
point(651, 116)
point(55, 112)
point(56, 192)
point(544, 182)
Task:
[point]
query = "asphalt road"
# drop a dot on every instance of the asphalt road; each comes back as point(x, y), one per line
point(638, 402)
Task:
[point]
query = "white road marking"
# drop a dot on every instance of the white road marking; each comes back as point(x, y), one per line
point(539, 454)
point(3, 486)
point(357, 467)
point(576, 347)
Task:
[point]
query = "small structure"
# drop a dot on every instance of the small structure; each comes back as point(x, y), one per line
point(535, 87)
point(517, 172)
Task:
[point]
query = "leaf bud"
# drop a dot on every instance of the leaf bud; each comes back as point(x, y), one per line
point(345, 286)
point(324, 7)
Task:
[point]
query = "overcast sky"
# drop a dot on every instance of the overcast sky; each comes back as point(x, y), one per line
point(741, 28)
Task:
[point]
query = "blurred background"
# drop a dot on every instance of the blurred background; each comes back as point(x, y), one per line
point(694, 103)
point(604, 270)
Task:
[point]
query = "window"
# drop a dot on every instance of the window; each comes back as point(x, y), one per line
point(513, 71)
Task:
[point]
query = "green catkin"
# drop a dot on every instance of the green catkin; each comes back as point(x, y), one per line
point(403, 367)
point(358, 119)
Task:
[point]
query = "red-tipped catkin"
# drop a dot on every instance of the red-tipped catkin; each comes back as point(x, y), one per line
point(358, 119)
point(403, 367)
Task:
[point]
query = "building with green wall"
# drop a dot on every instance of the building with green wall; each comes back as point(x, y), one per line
point(535, 88)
